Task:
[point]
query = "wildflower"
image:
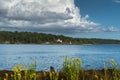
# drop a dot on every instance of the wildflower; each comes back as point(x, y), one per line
point(101, 78)
point(15, 69)
point(113, 72)
point(96, 76)
point(75, 58)
point(31, 76)
point(34, 74)
point(11, 75)
point(19, 75)
point(105, 68)
point(53, 72)
point(65, 57)
point(5, 79)
point(68, 66)
point(57, 74)
point(70, 60)
point(50, 75)
point(44, 73)
point(62, 79)
point(80, 61)
point(6, 74)
point(26, 70)
point(19, 67)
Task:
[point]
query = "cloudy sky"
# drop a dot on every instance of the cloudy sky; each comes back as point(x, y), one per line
point(76, 18)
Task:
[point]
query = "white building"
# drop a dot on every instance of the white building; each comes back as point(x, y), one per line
point(59, 41)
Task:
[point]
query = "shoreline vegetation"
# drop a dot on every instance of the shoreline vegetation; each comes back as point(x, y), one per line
point(45, 75)
point(7, 37)
point(71, 70)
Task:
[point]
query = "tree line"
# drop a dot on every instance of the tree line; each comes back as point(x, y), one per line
point(7, 37)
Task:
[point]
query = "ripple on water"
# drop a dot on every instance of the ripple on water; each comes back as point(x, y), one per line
point(93, 56)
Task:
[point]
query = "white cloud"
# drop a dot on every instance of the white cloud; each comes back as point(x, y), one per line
point(110, 29)
point(116, 1)
point(61, 16)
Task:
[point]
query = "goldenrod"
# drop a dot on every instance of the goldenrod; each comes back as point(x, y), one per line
point(6, 75)
point(101, 78)
point(5, 79)
point(15, 69)
point(50, 75)
point(19, 76)
point(19, 67)
point(96, 76)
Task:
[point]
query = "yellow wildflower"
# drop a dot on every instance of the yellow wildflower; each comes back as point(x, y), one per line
point(50, 75)
point(5, 79)
point(68, 66)
point(31, 76)
point(44, 73)
point(15, 69)
point(6, 74)
point(96, 76)
point(101, 78)
point(105, 68)
point(62, 79)
point(11, 75)
point(19, 75)
point(57, 74)
point(70, 60)
point(26, 70)
point(80, 61)
point(34, 74)
point(19, 67)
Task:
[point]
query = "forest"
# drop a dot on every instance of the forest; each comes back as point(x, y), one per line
point(7, 37)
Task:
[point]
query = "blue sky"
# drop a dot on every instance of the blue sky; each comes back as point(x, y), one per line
point(105, 12)
point(75, 18)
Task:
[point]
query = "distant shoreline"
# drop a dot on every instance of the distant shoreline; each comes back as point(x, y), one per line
point(48, 39)
point(56, 44)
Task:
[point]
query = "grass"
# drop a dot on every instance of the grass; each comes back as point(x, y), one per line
point(71, 70)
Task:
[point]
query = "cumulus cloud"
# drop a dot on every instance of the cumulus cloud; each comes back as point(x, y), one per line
point(59, 16)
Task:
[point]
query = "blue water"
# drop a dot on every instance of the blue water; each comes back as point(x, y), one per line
point(93, 56)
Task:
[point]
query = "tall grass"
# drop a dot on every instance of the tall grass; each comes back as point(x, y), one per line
point(71, 70)
point(115, 73)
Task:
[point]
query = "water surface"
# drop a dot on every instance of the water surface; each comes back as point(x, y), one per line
point(93, 56)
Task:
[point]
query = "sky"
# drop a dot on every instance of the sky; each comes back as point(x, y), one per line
point(75, 18)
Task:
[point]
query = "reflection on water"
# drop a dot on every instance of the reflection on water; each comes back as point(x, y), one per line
point(93, 56)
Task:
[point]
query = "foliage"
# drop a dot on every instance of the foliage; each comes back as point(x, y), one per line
point(71, 70)
point(40, 38)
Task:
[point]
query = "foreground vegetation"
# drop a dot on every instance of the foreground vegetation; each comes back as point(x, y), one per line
point(40, 38)
point(71, 70)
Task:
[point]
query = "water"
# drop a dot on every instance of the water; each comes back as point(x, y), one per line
point(93, 56)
